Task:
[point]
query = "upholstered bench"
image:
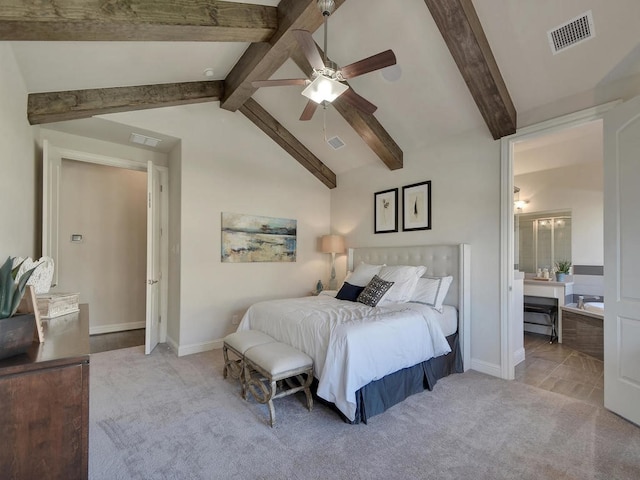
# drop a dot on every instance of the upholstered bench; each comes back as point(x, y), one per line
point(276, 364)
point(238, 343)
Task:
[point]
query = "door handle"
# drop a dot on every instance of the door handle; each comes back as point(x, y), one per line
point(152, 282)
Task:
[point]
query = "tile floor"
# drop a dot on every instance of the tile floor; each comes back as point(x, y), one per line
point(116, 340)
point(560, 369)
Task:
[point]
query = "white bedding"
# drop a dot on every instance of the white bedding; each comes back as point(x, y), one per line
point(351, 344)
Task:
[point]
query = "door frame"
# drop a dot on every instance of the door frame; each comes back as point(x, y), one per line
point(507, 260)
point(79, 156)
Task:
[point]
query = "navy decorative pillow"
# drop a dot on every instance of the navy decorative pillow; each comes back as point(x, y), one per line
point(349, 292)
point(374, 291)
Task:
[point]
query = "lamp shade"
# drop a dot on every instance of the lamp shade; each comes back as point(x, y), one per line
point(324, 89)
point(332, 244)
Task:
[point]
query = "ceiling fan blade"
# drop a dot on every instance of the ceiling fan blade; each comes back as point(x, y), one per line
point(309, 110)
point(308, 46)
point(279, 82)
point(376, 62)
point(357, 101)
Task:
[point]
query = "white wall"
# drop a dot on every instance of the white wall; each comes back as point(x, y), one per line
point(18, 173)
point(465, 175)
point(229, 165)
point(578, 188)
point(107, 206)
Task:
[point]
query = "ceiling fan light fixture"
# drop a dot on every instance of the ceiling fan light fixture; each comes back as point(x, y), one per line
point(324, 89)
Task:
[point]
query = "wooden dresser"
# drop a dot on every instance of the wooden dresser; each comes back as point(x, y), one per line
point(44, 404)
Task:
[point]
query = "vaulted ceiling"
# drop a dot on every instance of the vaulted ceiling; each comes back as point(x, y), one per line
point(81, 58)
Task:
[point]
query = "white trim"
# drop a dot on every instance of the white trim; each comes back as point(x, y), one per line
point(115, 327)
point(485, 367)
point(507, 367)
point(172, 344)
point(518, 356)
point(68, 154)
point(164, 251)
point(464, 295)
point(199, 347)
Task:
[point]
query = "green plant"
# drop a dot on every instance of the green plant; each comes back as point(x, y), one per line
point(563, 266)
point(11, 291)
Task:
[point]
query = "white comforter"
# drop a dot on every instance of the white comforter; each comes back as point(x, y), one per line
point(351, 344)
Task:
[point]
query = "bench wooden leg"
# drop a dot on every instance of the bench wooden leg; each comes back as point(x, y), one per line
point(225, 354)
point(272, 410)
point(265, 388)
point(232, 368)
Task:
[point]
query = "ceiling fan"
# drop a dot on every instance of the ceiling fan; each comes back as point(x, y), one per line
point(328, 81)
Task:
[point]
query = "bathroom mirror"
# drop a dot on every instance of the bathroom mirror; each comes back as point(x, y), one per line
point(542, 239)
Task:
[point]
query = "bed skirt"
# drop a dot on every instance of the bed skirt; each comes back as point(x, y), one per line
point(380, 395)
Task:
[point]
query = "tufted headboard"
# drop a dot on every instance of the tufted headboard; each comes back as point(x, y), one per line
point(441, 260)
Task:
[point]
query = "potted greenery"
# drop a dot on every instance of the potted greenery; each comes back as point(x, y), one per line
point(16, 331)
point(563, 267)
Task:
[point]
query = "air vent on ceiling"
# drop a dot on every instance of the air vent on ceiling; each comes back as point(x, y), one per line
point(571, 33)
point(144, 140)
point(336, 142)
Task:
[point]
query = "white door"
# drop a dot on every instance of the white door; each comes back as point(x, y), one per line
point(152, 330)
point(622, 260)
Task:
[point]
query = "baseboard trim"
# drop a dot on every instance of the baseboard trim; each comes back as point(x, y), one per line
point(116, 327)
point(172, 344)
point(199, 347)
point(486, 367)
point(518, 356)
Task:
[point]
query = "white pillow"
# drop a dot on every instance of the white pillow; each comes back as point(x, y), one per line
point(404, 280)
point(363, 274)
point(431, 291)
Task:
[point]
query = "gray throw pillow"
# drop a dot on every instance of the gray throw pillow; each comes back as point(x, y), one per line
point(374, 291)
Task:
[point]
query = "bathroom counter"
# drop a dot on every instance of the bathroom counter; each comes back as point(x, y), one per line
point(552, 283)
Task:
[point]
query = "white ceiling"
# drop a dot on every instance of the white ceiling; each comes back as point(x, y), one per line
point(428, 103)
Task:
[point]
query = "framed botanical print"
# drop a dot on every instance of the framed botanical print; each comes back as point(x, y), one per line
point(416, 206)
point(386, 211)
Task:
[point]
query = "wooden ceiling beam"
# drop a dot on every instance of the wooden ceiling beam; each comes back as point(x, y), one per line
point(460, 27)
point(269, 125)
point(71, 105)
point(365, 125)
point(261, 60)
point(136, 20)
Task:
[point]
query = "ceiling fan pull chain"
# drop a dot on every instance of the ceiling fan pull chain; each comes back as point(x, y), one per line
point(324, 120)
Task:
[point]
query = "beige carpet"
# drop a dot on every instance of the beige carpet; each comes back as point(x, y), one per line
point(163, 417)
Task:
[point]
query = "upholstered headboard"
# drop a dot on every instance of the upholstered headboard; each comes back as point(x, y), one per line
point(441, 260)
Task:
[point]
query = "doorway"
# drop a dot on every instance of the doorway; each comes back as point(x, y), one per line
point(558, 211)
point(130, 186)
point(508, 260)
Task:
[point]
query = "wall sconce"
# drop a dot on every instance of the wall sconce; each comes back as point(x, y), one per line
point(517, 203)
point(332, 244)
point(520, 204)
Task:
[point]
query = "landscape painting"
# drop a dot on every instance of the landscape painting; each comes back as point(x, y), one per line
point(250, 238)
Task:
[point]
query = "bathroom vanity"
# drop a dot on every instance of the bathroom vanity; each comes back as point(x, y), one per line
point(557, 291)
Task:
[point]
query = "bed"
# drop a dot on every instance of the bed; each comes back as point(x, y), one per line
point(367, 359)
